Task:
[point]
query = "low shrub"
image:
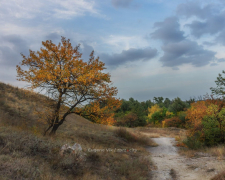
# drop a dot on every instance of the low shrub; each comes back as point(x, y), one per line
point(173, 122)
point(211, 131)
point(220, 176)
point(193, 142)
point(131, 120)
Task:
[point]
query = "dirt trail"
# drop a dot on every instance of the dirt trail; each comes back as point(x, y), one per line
point(169, 165)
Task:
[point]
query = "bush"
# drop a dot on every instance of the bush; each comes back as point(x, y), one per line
point(207, 121)
point(211, 131)
point(182, 117)
point(131, 120)
point(173, 122)
point(220, 176)
point(156, 117)
point(193, 142)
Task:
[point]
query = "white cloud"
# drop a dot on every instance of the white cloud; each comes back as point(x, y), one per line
point(71, 8)
point(120, 42)
point(45, 8)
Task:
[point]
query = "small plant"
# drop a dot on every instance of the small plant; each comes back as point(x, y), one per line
point(220, 176)
point(128, 136)
point(131, 137)
point(193, 142)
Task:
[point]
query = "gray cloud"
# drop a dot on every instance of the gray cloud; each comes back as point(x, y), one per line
point(209, 43)
point(221, 60)
point(121, 3)
point(86, 51)
point(213, 64)
point(177, 48)
point(211, 26)
point(130, 55)
point(192, 8)
point(212, 15)
point(186, 52)
point(221, 38)
point(55, 37)
point(168, 30)
point(175, 68)
point(10, 51)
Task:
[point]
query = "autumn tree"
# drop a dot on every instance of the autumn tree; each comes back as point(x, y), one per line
point(155, 113)
point(70, 81)
point(196, 113)
point(153, 109)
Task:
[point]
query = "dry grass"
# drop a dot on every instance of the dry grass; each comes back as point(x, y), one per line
point(218, 151)
point(220, 176)
point(132, 137)
point(165, 132)
point(173, 174)
point(26, 154)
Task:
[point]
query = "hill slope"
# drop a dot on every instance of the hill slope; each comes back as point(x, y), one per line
point(26, 154)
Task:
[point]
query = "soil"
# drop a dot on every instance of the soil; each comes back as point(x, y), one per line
point(169, 165)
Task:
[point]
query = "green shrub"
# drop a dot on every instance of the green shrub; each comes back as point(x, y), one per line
point(211, 131)
point(182, 116)
point(157, 116)
point(193, 142)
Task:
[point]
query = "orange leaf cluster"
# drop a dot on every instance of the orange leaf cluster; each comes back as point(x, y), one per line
point(199, 110)
point(196, 113)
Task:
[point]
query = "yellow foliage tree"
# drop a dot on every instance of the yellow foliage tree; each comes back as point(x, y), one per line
point(153, 109)
point(70, 81)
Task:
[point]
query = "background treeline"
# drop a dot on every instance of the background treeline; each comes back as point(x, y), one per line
point(133, 113)
point(204, 118)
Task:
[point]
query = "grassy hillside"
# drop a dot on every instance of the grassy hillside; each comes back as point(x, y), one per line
point(26, 154)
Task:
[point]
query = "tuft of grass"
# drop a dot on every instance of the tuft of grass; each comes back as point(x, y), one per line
point(165, 132)
point(220, 176)
point(173, 174)
point(193, 143)
point(218, 151)
point(131, 137)
point(137, 169)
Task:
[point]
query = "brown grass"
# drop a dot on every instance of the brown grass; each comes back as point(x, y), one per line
point(26, 154)
point(173, 174)
point(165, 132)
point(132, 137)
point(218, 151)
point(220, 176)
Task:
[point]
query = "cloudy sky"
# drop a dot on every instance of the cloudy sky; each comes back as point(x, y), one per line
point(150, 47)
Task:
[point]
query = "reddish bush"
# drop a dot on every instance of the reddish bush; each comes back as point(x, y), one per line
point(174, 122)
point(129, 120)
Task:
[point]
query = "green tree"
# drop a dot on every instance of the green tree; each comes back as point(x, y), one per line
point(159, 101)
point(177, 105)
point(220, 89)
point(167, 103)
point(133, 110)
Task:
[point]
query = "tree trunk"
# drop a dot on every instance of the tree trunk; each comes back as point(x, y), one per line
point(54, 128)
point(47, 130)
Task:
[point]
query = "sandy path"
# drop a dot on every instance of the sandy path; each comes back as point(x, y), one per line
point(166, 158)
